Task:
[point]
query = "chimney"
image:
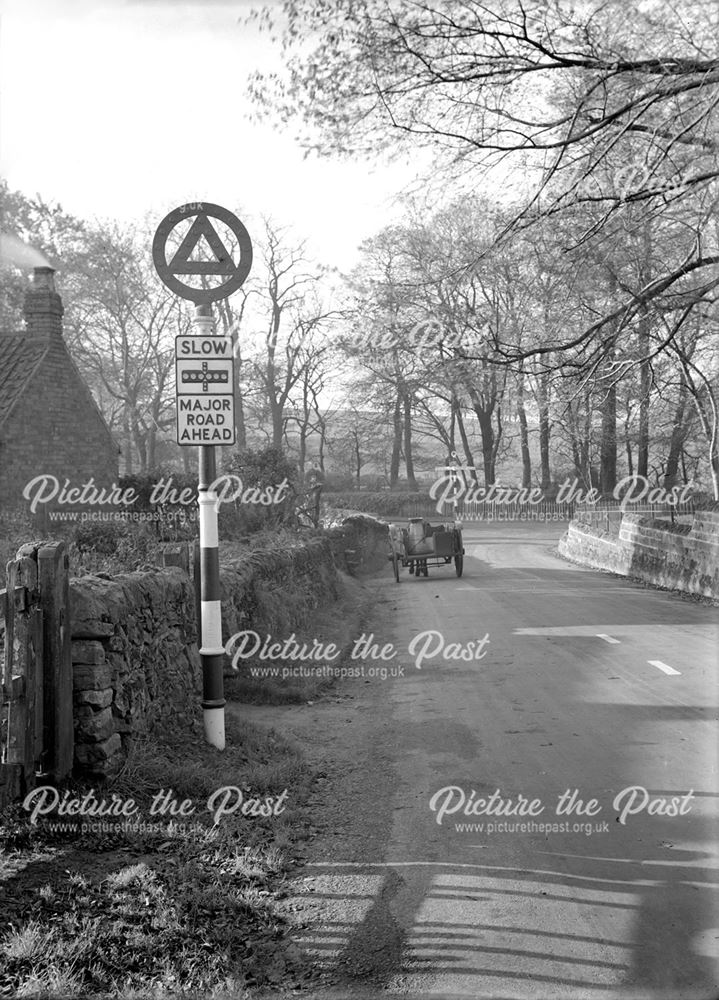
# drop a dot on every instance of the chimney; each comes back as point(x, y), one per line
point(43, 306)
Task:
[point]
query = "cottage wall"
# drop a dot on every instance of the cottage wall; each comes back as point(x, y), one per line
point(56, 429)
point(53, 426)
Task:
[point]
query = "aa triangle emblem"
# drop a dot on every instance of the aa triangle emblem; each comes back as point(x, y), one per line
point(202, 252)
point(200, 229)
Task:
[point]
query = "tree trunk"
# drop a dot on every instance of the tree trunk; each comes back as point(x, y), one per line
point(577, 458)
point(151, 448)
point(644, 330)
point(644, 391)
point(277, 424)
point(302, 457)
point(608, 450)
point(140, 440)
point(127, 438)
point(358, 458)
point(323, 442)
point(676, 443)
point(409, 461)
point(240, 425)
point(497, 441)
point(466, 446)
point(487, 432)
point(608, 446)
point(273, 398)
point(304, 426)
point(579, 437)
point(628, 447)
point(708, 413)
point(396, 443)
point(523, 433)
point(484, 418)
point(544, 432)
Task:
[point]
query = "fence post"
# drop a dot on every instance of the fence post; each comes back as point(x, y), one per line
point(12, 686)
point(176, 554)
point(24, 649)
point(58, 731)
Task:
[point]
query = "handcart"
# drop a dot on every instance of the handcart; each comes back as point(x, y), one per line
point(421, 545)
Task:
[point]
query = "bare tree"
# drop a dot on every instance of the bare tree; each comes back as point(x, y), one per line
point(121, 325)
point(289, 307)
point(600, 108)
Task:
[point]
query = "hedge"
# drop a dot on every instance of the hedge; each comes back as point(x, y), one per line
point(383, 504)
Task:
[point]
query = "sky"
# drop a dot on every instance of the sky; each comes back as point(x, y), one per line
point(124, 108)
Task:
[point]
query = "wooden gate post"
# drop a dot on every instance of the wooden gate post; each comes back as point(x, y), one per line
point(23, 652)
point(58, 734)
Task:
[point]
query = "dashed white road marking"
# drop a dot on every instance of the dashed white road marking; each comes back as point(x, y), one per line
point(607, 638)
point(663, 666)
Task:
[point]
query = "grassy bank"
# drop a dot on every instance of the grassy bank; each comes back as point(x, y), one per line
point(340, 624)
point(187, 907)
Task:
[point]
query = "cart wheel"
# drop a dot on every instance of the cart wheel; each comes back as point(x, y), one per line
point(395, 566)
point(459, 563)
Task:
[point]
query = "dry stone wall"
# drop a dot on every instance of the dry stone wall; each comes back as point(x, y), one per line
point(650, 550)
point(276, 590)
point(135, 659)
point(360, 544)
point(136, 664)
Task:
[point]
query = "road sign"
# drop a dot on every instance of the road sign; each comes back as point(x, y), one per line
point(205, 390)
point(203, 347)
point(233, 266)
point(205, 419)
point(205, 401)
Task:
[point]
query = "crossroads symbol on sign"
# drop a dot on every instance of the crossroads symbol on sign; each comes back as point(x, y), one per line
point(202, 230)
point(205, 376)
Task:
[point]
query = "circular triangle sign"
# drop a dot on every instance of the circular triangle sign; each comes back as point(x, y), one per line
point(211, 256)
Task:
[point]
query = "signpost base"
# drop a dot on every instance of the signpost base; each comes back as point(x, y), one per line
point(214, 724)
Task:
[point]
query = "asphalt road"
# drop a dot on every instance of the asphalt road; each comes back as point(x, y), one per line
point(589, 687)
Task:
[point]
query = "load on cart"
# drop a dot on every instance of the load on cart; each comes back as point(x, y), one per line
point(421, 545)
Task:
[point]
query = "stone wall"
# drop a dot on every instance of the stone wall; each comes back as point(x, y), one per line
point(360, 544)
point(135, 656)
point(275, 590)
point(135, 659)
point(682, 557)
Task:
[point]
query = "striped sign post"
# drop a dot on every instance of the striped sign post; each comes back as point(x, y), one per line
point(212, 650)
point(205, 403)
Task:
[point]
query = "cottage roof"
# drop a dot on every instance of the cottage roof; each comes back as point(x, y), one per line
point(20, 356)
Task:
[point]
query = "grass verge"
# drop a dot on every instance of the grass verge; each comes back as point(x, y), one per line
point(187, 907)
point(261, 682)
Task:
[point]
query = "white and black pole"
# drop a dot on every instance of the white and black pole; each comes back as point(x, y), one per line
point(205, 403)
point(212, 650)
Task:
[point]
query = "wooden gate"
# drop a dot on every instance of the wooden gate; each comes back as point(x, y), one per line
point(37, 723)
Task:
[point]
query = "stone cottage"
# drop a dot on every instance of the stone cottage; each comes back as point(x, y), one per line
point(49, 422)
